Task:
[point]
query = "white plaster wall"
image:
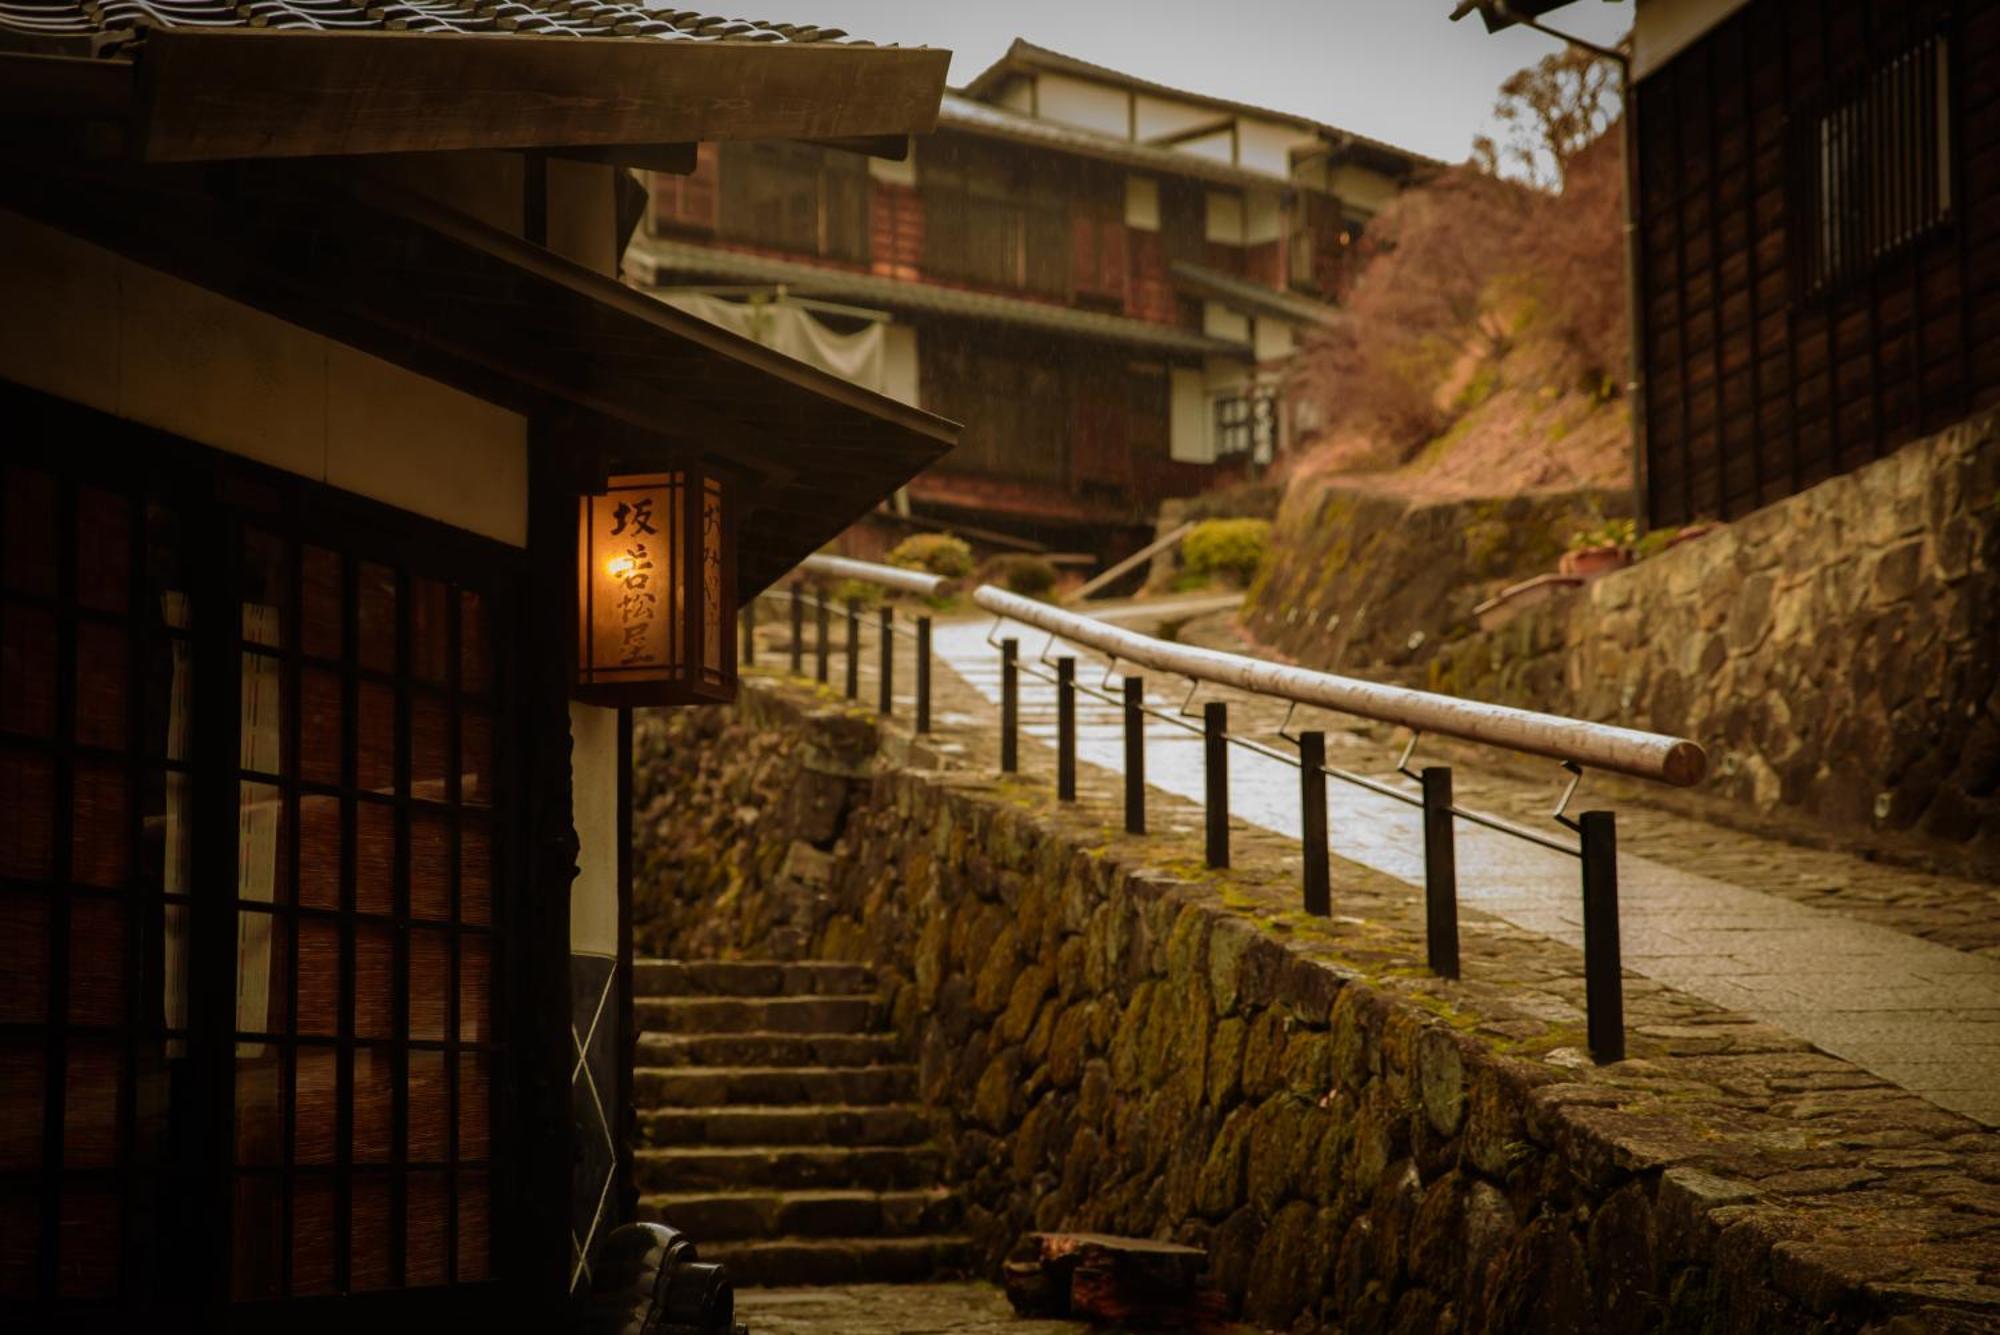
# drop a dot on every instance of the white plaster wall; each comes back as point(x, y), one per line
point(1362, 191)
point(583, 214)
point(891, 172)
point(1142, 203)
point(1273, 340)
point(1263, 217)
point(1266, 146)
point(1224, 217)
point(1188, 436)
point(1158, 116)
point(593, 765)
point(1662, 29)
point(87, 325)
point(900, 376)
point(1090, 106)
point(1217, 147)
point(1219, 321)
point(1018, 94)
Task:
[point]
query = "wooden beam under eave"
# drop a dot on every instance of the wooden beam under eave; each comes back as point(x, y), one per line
point(221, 93)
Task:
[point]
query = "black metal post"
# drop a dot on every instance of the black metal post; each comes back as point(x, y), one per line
point(1066, 729)
point(1440, 873)
point(1135, 755)
point(748, 630)
point(1215, 749)
point(1603, 979)
point(853, 648)
point(887, 704)
point(1010, 705)
point(923, 674)
point(1312, 824)
point(819, 640)
point(798, 628)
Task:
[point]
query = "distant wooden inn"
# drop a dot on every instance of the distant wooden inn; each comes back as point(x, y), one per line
point(349, 499)
point(1103, 278)
point(1819, 238)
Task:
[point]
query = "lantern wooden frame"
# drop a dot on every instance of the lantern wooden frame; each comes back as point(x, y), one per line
point(656, 590)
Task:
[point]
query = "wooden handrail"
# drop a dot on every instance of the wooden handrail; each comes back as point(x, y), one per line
point(1645, 755)
point(897, 579)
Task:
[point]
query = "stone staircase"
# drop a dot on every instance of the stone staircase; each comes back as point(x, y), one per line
point(778, 1126)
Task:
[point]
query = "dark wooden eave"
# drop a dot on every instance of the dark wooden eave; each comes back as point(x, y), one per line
point(209, 94)
point(621, 379)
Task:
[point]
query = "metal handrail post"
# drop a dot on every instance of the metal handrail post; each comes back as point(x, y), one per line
point(1215, 749)
point(923, 674)
point(1010, 705)
point(887, 702)
point(1603, 981)
point(853, 648)
point(1440, 874)
point(1066, 729)
point(1135, 755)
point(798, 627)
point(819, 640)
point(1317, 876)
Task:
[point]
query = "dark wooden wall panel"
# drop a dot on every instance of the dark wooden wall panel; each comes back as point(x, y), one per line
point(1755, 390)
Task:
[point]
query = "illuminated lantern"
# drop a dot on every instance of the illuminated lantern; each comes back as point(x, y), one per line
point(656, 591)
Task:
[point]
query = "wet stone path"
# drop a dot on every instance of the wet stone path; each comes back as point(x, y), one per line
point(1912, 1011)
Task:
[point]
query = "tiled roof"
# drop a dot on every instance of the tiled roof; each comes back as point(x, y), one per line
point(1253, 298)
point(1024, 54)
point(662, 260)
point(958, 112)
point(76, 27)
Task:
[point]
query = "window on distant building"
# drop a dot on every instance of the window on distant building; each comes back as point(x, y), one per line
point(812, 201)
point(687, 203)
point(991, 218)
point(1872, 167)
point(1235, 424)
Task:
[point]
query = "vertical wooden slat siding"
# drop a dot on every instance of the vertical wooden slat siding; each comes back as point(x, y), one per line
point(1803, 298)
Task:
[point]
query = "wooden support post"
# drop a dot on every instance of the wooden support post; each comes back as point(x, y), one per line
point(798, 627)
point(748, 630)
point(1066, 729)
point(1215, 750)
point(1312, 823)
point(819, 640)
point(923, 674)
point(1010, 705)
point(1440, 874)
point(1603, 976)
point(853, 648)
point(1135, 755)
point(887, 701)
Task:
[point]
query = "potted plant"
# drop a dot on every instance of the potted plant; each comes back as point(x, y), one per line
point(1594, 551)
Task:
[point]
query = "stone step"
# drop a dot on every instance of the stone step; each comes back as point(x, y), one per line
point(737, 1216)
point(712, 1086)
point(841, 1260)
point(788, 1167)
point(767, 1049)
point(805, 1124)
point(747, 1015)
point(749, 978)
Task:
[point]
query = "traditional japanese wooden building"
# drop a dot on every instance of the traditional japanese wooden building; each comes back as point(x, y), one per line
point(348, 493)
point(1817, 265)
point(1104, 278)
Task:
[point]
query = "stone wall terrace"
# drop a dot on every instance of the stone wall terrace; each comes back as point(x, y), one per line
point(1112, 1037)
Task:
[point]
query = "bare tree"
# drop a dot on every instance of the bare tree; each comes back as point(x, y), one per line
point(1554, 110)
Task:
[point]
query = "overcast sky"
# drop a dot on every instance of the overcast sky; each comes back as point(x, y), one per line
point(1395, 69)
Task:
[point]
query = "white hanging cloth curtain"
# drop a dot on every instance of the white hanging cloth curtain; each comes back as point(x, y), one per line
point(859, 358)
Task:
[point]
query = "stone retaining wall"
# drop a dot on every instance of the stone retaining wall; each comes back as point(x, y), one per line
point(1837, 652)
point(1153, 1049)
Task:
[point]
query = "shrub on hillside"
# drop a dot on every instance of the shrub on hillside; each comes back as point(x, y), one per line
point(1018, 572)
point(1235, 548)
point(935, 553)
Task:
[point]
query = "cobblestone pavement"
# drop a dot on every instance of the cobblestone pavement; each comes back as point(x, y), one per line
point(1914, 1012)
point(889, 1309)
